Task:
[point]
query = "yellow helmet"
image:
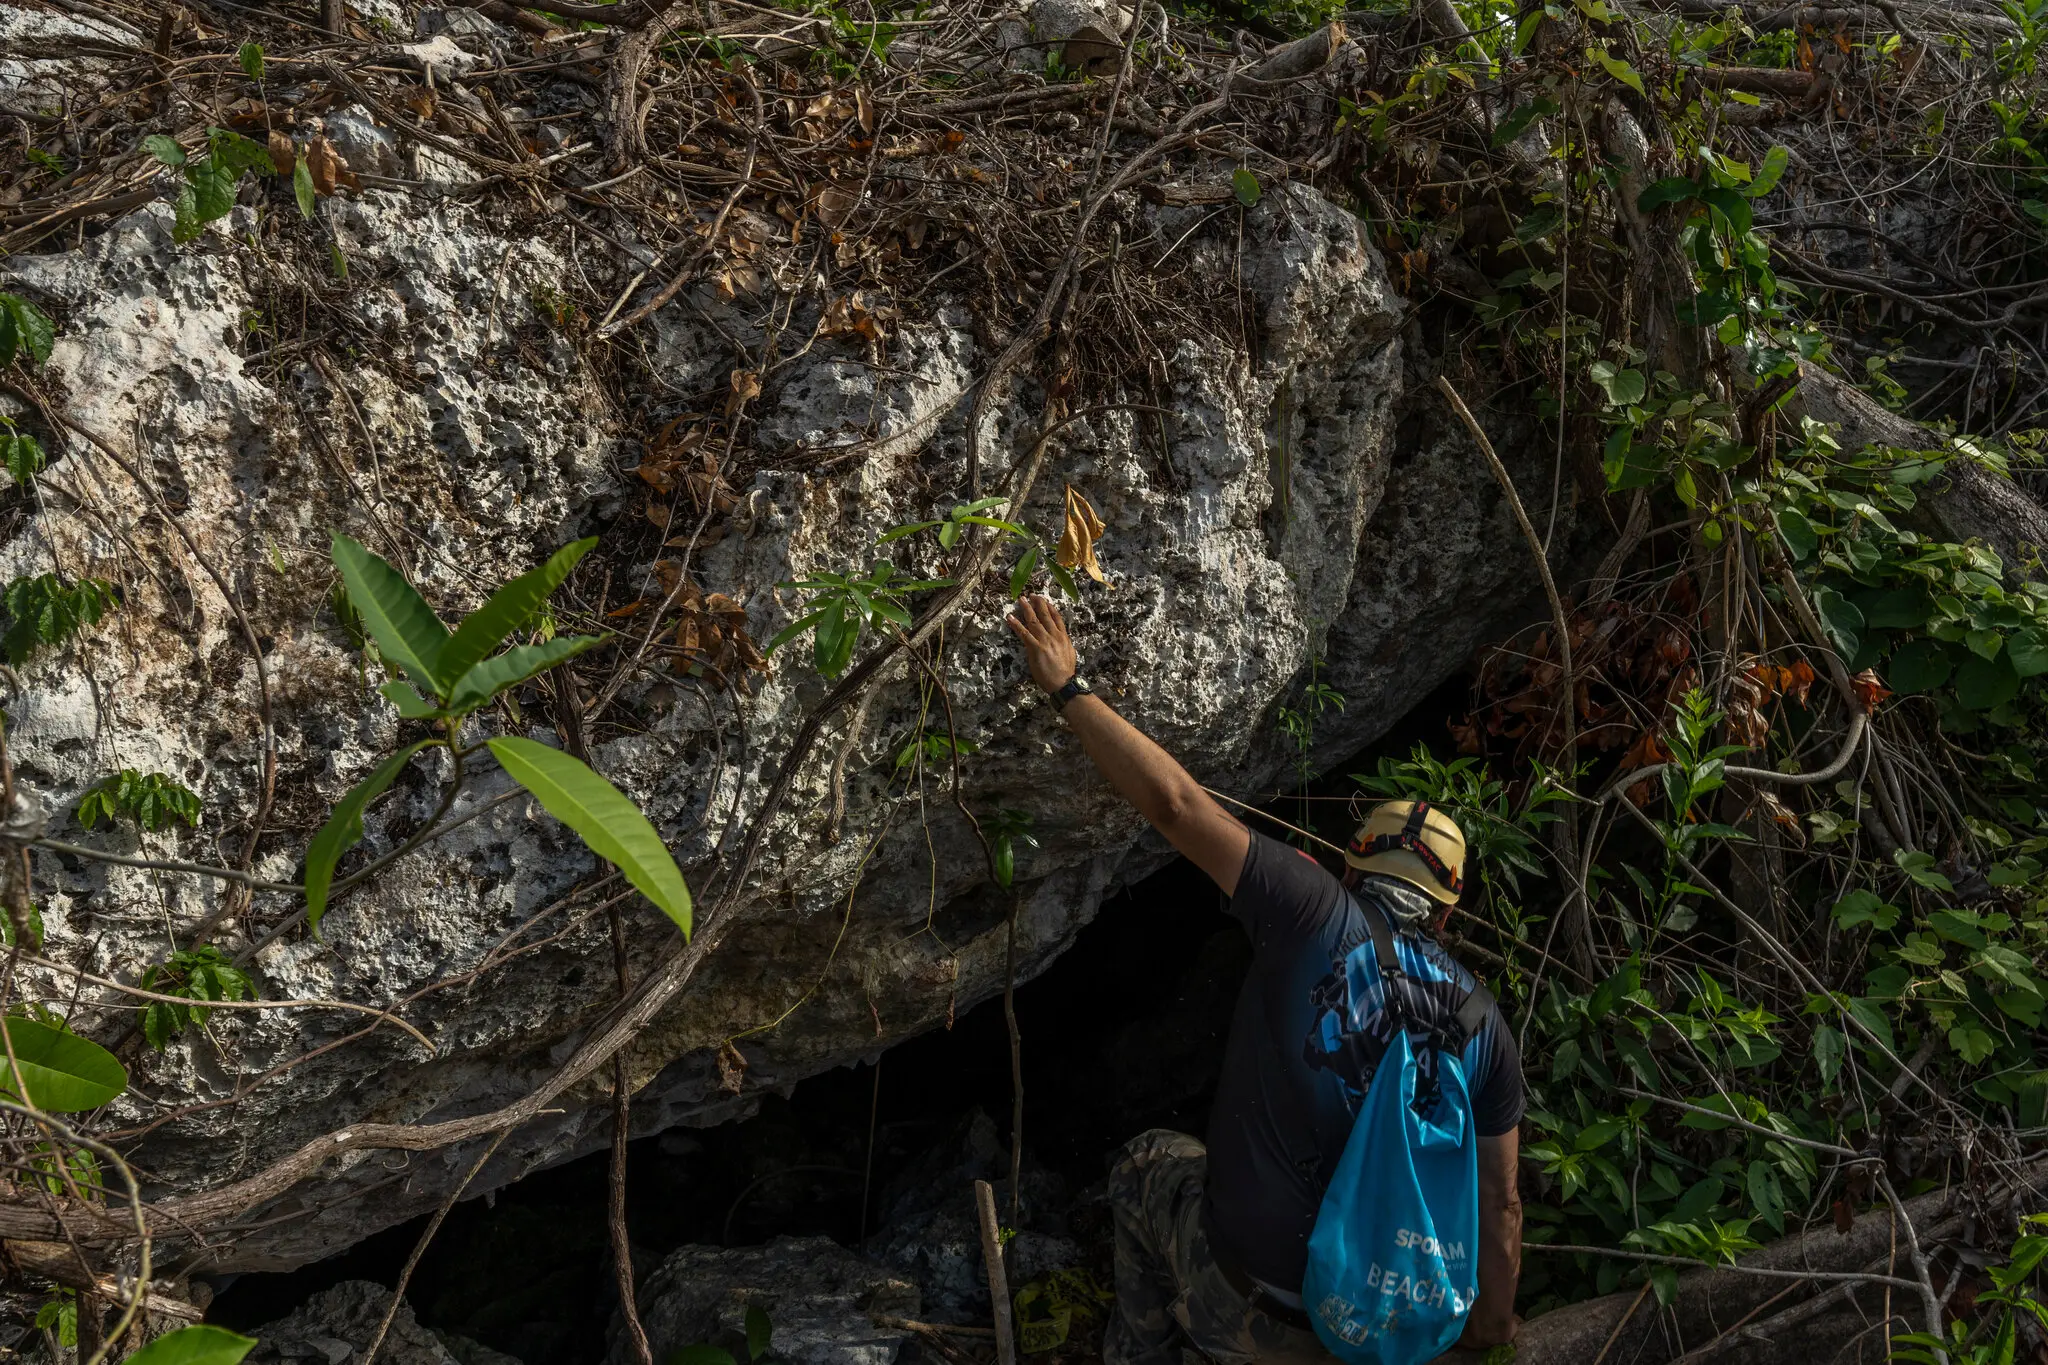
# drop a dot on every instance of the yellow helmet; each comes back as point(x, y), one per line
point(1414, 841)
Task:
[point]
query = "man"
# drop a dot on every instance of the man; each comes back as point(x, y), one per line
point(1212, 1244)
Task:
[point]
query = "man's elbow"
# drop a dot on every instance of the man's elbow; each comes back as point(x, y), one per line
point(1175, 808)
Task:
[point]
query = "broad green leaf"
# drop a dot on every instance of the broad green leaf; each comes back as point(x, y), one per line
point(165, 148)
point(515, 666)
point(1920, 666)
point(1622, 386)
point(197, 1345)
point(302, 186)
point(409, 702)
point(1245, 186)
point(405, 628)
point(760, 1332)
point(1672, 189)
point(611, 825)
point(1732, 206)
point(1973, 1044)
point(1982, 684)
point(344, 828)
point(1844, 623)
point(2028, 650)
point(251, 58)
point(235, 154)
point(1769, 173)
point(213, 188)
point(1864, 907)
point(30, 328)
point(1767, 1195)
point(62, 1072)
point(509, 608)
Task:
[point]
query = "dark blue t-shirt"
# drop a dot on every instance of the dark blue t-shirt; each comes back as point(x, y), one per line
point(1285, 1102)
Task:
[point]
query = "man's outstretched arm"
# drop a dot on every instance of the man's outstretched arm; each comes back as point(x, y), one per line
point(1143, 773)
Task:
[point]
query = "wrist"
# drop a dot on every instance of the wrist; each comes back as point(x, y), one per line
point(1074, 686)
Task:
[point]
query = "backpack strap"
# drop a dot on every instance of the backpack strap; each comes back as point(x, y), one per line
point(1474, 1014)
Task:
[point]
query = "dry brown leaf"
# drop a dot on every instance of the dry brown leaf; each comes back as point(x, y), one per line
point(329, 171)
point(1077, 538)
point(1869, 689)
point(282, 156)
point(732, 1069)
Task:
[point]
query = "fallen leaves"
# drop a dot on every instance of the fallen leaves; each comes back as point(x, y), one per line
point(1077, 538)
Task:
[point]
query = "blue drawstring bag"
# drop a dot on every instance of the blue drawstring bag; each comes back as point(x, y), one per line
point(1393, 1260)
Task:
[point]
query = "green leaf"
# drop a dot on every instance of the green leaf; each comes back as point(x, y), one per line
point(27, 327)
point(1245, 186)
point(515, 666)
point(611, 825)
point(235, 154)
point(1731, 206)
point(165, 148)
point(1982, 684)
point(1672, 189)
point(1798, 533)
point(2028, 650)
point(410, 704)
point(1664, 1280)
point(1622, 387)
point(1920, 666)
point(1843, 622)
point(197, 1345)
point(1540, 224)
point(1864, 907)
point(1020, 577)
point(794, 629)
point(302, 186)
point(251, 58)
point(213, 189)
point(405, 628)
point(1770, 172)
point(508, 609)
point(344, 828)
point(1974, 1045)
point(1985, 644)
point(1617, 68)
point(1767, 1195)
point(1829, 1048)
point(62, 1072)
point(760, 1332)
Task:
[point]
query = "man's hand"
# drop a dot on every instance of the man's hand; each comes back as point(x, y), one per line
point(1047, 650)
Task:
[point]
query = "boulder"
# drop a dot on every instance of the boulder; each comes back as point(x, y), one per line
point(336, 1326)
point(820, 1301)
point(1302, 505)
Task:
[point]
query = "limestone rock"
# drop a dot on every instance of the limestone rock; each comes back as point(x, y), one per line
point(1296, 504)
point(336, 1326)
point(820, 1299)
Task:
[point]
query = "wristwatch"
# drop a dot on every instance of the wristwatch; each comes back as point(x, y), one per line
point(1076, 686)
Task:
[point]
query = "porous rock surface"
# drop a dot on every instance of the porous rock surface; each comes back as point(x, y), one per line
point(1306, 501)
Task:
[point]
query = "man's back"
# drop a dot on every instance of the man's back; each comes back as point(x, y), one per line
point(1294, 1071)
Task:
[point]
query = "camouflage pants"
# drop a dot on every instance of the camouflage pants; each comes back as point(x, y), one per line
point(1170, 1293)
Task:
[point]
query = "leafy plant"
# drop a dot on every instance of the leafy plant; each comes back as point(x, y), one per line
point(843, 606)
point(207, 191)
point(151, 800)
point(21, 454)
point(45, 611)
point(59, 1316)
point(955, 522)
point(1006, 829)
point(24, 330)
point(200, 974)
point(453, 674)
point(1299, 725)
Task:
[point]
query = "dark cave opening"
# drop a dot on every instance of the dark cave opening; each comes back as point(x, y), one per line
point(1123, 1032)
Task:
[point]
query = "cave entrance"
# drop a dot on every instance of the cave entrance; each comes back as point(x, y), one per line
point(1123, 1032)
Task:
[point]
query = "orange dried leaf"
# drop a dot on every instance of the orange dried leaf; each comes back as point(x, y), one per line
point(283, 159)
point(1077, 538)
point(1869, 689)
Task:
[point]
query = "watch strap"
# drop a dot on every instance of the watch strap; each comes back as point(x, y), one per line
point(1073, 687)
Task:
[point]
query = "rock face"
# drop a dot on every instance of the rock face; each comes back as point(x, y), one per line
point(1306, 502)
point(820, 1301)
